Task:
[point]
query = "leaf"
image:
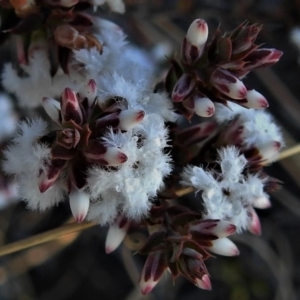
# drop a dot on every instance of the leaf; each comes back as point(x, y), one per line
point(224, 49)
point(156, 241)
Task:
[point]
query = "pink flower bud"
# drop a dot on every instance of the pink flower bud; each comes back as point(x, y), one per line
point(116, 234)
point(224, 246)
point(218, 228)
point(48, 178)
point(269, 150)
point(79, 203)
point(154, 267)
point(183, 87)
point(203, 106)
point(254, 224)
point(114, 156)
point(70, 108)
point(89, 91)
point(197, 33)
point(255, 100)
point(204, 283)
point(130, 118)
point(262, 202)
point(229, 85)
point(263, 57)
point(99, 153)
point(52, 108)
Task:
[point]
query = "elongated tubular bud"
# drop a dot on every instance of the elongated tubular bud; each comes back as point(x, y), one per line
point(255, 100)
point(254, 224)
point(229, 85)
point(197, 33)
point(116, 234)
point(203, 106)
point(89, 91)
point(218, 228)
point(70, 108)
point(52, 108)
point(130, 118)
point(183, 88)
point(79, 203)
point(204, 283)
point(269, 150)
point(224, 246)
point(97, 152)
point(154, 267)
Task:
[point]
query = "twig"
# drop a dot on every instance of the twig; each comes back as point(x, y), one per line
point(69, 228)
point(44, 237)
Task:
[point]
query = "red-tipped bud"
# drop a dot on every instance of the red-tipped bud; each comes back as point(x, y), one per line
point(89, 91)
point(114, 156)
point(263, 57)
point(204, 283)
point(183, 87)
point(154, 267)
point(97, 152)
point(224, 246)
point(79, 203)
point(52, 108)
point(254, 224)
point(229, 85)
point(217, 228)
point(255, 100)
point(130, 118)
point(70, 108)
point(116, 234)
point(203, 106)
point(270, 150)
point(47, 179)
point(262, 202)
point(197, 33)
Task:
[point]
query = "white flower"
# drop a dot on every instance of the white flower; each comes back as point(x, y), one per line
point(255, 129)
point(229, 195)
point(25, 159)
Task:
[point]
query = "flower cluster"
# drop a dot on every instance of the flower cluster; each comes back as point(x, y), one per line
point(116, 145)
point(106, 155)
point(209, 73)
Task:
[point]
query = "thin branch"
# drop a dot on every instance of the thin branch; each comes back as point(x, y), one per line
point(69, 228)
point(44, 237)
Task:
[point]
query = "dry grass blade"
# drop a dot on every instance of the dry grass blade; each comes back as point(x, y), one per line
point(44, 237)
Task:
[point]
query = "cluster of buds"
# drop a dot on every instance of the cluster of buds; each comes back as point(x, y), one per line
point(77, 144)
point(181, 245)
point(55, 26)
point(212, 72)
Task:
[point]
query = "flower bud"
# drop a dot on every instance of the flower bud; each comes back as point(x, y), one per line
point(203, 106)
point(116, 234)
point(255, 100)
point(52, 108)
point(197, 33)
point(254, 224)
point(102, 154)
point(130, 118)
point(89, 91)
point(183, 87)
point(154, 267)
point(79, 203)
point(204, 283)
point(70, 108)
point(224, 246)
point(269, 150)
point(263, 57)
point(218, 228)
point(229, 85)
point(262, 202)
